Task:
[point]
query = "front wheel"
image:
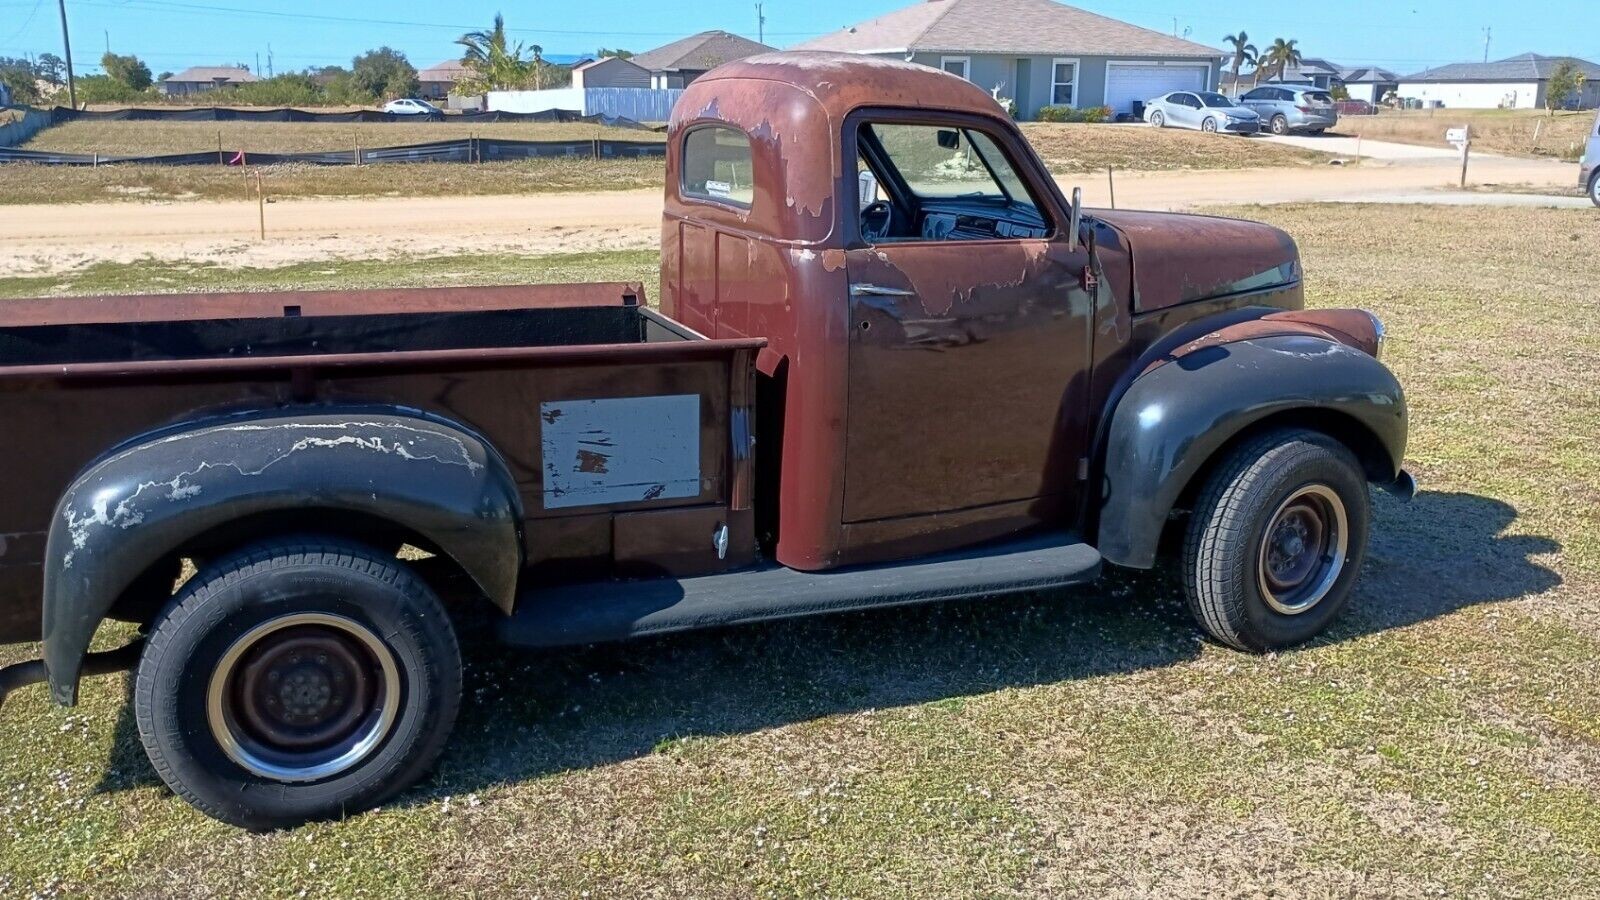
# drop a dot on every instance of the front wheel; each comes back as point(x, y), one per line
point(1280, 125)
point(1276, 541)
point(1594, 187)
point(1209, 126)
point(295, 681)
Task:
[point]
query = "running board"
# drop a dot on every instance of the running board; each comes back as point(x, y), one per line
point(613, 610)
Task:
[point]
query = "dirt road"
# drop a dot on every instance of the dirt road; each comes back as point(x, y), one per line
point(49, 238)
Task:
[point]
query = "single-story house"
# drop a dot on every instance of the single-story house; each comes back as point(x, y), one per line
point(610, 72)
point(1517, 82)
point(1369, 83)
point(676, 64)
point(437, 81)
point(199, 79)
point(1035, 52)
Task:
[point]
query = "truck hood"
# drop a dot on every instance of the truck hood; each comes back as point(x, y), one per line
point(1179, 258)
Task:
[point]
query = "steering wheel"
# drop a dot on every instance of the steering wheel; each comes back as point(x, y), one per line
point(876, 220)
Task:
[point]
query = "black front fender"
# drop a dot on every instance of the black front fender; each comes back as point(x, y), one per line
point(1174, 418)
point(149, 498)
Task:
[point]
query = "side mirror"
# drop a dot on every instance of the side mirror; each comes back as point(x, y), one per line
point(949, 139)
point(1075, 222)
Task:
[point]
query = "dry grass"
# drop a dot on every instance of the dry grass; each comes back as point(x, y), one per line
point(154, 138)
point(1091, 148)
point(24, 183)
point(1065, 149)
point(1508, 131)
point(1440, 741)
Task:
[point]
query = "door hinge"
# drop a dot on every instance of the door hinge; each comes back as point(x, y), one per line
point(1091, 281)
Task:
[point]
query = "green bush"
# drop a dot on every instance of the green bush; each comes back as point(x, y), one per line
point(1089, 114)
point(105, 89)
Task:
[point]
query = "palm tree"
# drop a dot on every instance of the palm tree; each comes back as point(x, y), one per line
point(1279, 57)
point(1243, 52)
point(495, 62)
point(538, 66)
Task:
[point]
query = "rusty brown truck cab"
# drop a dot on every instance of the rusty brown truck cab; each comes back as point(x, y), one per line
point(892, 363)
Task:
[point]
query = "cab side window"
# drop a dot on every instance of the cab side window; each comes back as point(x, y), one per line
point(717, 166)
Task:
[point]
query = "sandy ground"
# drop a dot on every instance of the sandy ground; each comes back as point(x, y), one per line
point(43, 239)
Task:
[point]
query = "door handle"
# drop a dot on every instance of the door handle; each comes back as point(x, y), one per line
point(873, 290)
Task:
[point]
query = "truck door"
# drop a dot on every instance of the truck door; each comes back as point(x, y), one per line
point(969, 330)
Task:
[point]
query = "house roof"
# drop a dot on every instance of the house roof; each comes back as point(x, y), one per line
point(212, 74)
point(1041, 27)
point(1367, 75)
point(450, 70)
point(698, 52)
point(591, 63)
point(1523, 67)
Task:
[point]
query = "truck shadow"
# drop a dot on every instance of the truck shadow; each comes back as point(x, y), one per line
point(529, 715)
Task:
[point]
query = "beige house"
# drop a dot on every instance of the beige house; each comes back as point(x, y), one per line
point(199, 79)
point(437, 81)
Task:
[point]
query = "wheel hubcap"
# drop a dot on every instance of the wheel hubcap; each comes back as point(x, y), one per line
point(1303, 549)
point(303, 697)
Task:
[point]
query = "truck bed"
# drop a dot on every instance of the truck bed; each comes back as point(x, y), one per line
point(524, 367)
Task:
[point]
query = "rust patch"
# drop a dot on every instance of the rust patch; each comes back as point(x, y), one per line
point(592, 462)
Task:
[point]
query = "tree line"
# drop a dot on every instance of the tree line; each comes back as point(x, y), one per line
point(492, 60)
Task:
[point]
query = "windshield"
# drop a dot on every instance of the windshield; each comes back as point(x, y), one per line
point(1210, 99)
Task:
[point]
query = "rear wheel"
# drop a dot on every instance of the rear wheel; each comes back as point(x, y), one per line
point(1594, 187)
point(1276, 540)
point(296, 681)
point(1280, 125)
point(1158, 119)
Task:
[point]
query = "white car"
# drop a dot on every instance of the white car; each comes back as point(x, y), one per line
point(412, 108)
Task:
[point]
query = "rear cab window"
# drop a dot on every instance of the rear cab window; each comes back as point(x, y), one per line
point(717, 166)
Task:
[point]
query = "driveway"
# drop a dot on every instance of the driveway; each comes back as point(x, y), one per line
point(1367, 149)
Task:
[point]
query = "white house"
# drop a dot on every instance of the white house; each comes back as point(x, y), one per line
point(1035, 52)
point(1518, 82)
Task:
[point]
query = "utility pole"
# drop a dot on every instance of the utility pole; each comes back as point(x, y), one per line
point(66, 45)
point(257, 69)
point(761, 26)
point(1486, 34)
point(269, 60)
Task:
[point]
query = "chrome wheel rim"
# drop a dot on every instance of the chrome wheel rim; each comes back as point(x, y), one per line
point(1208, 125)
point(303, 697)
point(1303, 549)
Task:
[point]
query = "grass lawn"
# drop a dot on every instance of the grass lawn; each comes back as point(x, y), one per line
point(1065, 148)
point(1509, 131)
point(1441, 740)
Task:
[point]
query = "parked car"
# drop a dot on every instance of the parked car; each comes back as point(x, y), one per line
point(1589, 164)
point(967, 386)
point(411, 107)
point(1291, 107)
point(1205, 110)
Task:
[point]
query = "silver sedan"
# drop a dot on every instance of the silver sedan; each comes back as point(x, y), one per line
point(1203, 110)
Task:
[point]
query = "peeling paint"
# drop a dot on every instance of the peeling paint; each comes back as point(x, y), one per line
point(651, 450)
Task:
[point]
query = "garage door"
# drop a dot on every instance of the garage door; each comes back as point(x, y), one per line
point(1125, 84)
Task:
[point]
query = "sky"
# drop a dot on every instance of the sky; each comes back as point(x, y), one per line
point(170, 35)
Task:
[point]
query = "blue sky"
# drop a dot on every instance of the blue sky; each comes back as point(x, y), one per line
point(1404, 35)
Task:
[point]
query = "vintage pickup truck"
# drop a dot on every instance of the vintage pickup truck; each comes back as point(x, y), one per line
point(892, 363)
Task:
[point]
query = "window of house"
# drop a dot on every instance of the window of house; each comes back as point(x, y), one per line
point(717, 166)
point(1064, 82)
point(957, 65)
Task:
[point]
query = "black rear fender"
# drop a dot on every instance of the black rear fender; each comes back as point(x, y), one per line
point(134, 508)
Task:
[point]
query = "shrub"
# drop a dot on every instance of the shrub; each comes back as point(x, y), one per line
point(1069, 114)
